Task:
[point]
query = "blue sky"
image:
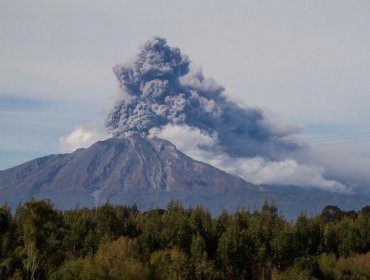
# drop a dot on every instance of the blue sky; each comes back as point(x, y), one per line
point(305, 63)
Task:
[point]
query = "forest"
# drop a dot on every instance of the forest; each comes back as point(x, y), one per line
point(38, 241)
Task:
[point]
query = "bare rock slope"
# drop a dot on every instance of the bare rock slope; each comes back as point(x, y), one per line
point(113, 169)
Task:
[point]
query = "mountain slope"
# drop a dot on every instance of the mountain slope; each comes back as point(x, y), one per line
point(149, 172)
point(112, 168)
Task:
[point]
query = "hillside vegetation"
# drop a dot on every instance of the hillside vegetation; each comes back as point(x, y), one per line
point(120, 242)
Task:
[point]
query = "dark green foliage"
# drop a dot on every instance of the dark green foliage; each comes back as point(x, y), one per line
point(303, 268)
point(119, 242)
point(331, 213)
point(5, 220)
point(366, 211)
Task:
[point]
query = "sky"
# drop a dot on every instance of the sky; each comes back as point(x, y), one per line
point(304, 63)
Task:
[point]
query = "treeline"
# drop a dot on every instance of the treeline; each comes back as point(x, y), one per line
point(120, 242)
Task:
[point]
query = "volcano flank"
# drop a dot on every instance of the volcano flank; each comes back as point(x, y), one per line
point(148, 172)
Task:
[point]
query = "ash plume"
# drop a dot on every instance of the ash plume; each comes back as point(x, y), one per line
point(161, 88)
point(164, 95)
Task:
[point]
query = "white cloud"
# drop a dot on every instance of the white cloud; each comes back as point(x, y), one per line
point(191, 141)
point(202, 146)
point(81, 137)
point(259, 170)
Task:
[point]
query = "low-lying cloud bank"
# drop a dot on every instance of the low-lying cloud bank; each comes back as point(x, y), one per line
point(258, 170)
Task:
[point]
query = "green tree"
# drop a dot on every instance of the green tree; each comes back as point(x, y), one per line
point(170, 264)
point(79, 225)
point(108, 226)
point(202, 268)
point(41, 233)
point(331, 213)
point(234, 252)
point(176, 230)
point(150, 225)
point(349, 237)
point(307, 236)
point(120, 259)
point(303, 268)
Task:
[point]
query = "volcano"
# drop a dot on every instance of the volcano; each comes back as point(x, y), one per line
point(149, 172)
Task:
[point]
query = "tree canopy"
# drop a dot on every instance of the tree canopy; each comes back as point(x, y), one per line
point(39, 241)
